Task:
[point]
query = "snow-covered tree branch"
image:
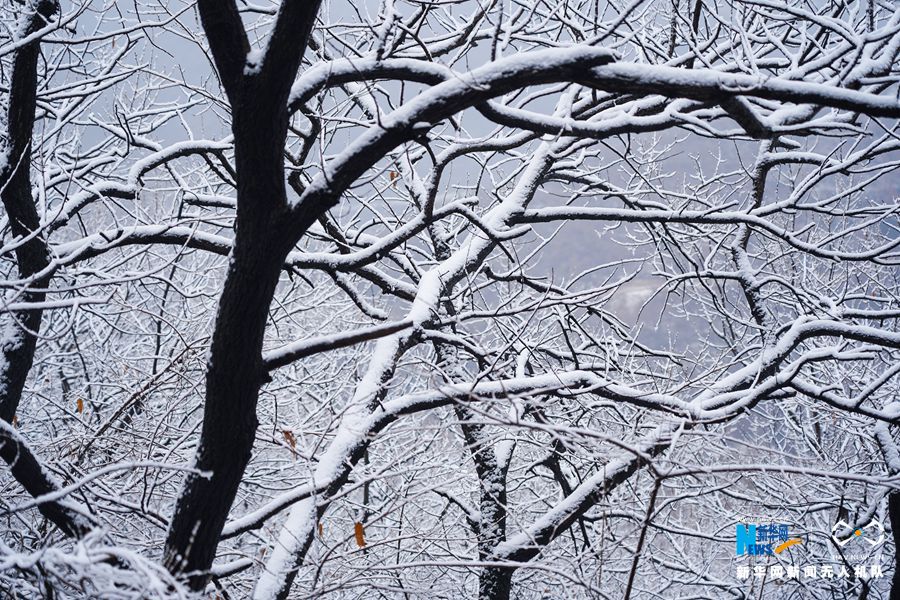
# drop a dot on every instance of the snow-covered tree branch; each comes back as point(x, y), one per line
point(460, 299)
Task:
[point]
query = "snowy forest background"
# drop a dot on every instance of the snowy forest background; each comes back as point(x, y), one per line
point(447, 298)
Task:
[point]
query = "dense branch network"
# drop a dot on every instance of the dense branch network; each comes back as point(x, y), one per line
point(465, 296)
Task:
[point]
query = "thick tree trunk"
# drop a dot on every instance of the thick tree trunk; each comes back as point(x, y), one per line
point(235, 369)
point(234, 375)
point(495, 583)
point(235, 372)
point(19, 337)
point(264, 234)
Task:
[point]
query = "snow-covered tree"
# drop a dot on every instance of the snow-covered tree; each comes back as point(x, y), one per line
point(468, 299)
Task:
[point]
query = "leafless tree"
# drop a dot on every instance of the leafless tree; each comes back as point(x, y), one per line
point(482, 298)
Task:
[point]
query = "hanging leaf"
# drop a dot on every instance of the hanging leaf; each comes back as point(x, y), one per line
point(321, 530)
point(360, 534)
point(15, 421)
point(79, 406)
point(290, 439)
point(393, 176)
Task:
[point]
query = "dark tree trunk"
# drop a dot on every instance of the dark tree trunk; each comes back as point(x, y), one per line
point(234, 375)
point(32, 259)
point(235, 370)
point(29, 472)
point(15, 180)
point(495, 583)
